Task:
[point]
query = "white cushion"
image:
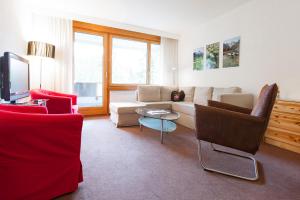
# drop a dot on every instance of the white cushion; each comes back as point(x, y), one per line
point(125, 107)
point(189, 93)
point(218, 91)
point(186, 120)
point(184, 107)
point(202, 95)
point(165, 92)
point(148, 93)
point(127, 119)
point(167, 105)
point(238, 99)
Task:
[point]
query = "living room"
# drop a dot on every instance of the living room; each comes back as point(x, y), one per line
point(149, 99)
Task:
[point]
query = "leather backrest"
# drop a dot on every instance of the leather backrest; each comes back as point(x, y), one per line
point(265, 102)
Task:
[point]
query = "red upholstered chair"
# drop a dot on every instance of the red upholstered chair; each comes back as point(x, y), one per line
point(39, 153)
point(58, 103)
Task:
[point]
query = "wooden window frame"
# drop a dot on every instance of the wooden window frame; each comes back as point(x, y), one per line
point(104, 109)
point(123, 34)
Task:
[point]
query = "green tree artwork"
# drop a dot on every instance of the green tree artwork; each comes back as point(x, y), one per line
point(198, 59)
point(212, 55)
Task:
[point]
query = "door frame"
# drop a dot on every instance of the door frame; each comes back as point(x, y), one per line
point(105, 92)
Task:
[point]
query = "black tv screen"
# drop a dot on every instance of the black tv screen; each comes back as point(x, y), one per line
point(15, 74)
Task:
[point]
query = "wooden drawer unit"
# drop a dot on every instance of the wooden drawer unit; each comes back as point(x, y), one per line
point(284, 126)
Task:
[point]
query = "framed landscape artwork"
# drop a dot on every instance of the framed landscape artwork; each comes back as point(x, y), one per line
point(231, 52)
point(198, 59)
point(212, 55)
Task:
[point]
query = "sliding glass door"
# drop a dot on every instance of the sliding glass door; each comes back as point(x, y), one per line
point(90, 82)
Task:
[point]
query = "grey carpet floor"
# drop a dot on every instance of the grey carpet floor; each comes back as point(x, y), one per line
point(126, 164)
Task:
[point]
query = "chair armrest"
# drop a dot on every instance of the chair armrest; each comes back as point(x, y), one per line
point(72, 96)
point(232, 129)
point(230, 107)
point(58, 104)
point(238, 99)
point(24, 109)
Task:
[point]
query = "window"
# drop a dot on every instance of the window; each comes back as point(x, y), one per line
point(130, 58)
point(129, 61)
point(155, 65)
point(88, 68)
point(108, 59)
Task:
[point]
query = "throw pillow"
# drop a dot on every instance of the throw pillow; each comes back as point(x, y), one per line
point(177, 96)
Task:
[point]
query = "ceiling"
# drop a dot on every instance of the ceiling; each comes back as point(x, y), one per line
point(173, 16)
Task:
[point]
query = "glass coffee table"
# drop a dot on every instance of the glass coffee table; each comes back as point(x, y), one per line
point(158, 119)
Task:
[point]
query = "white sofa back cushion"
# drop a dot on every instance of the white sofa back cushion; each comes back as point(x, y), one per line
point(165, 92)
point(218, 91)
point(148, 93)
point(189, 93)
point(202, 95)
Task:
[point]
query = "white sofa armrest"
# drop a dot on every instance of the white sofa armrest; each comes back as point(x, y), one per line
point(238, 99)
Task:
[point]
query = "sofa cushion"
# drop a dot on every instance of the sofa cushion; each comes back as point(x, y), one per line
point(122, 107)
point(147, 93)
point(218, 91)
point(165, 92)
point(125, 119)
point(184, 107)
point(167, 105)
point(202, 95)
point(238, 99)
point(189, 93)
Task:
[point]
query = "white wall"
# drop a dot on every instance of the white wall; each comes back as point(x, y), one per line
point(270, 48)
point(11, 35)
point(48, 8)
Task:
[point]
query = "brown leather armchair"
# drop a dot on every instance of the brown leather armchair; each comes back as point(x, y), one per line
point(235, 127)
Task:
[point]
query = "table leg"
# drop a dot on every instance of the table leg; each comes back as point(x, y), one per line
point(162, 132)
point(141, 127)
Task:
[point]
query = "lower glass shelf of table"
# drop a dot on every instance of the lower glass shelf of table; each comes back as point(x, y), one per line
point(164, 126)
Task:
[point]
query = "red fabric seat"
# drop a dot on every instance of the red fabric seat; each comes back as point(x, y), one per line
point(24, 109)
point(58, 103)
point(39, 153)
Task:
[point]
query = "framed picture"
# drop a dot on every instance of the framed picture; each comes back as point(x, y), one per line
point(231, 52)
point(198, 59)
point(212, 55)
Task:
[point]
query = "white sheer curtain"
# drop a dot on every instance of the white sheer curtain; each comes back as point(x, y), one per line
point(56, 74)
point(169, 63)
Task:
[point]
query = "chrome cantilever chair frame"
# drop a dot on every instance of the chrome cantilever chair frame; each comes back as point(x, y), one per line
point(202, 163)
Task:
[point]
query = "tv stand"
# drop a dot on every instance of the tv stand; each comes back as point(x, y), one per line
point(31, 102)
point(13, 102)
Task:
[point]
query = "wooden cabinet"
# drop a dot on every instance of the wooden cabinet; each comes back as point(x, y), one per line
point(284, 126)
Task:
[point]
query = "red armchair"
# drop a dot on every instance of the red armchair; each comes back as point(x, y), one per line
point(39, 153)
point(58, 103)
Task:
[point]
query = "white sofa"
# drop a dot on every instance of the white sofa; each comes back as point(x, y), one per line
point(123, 114)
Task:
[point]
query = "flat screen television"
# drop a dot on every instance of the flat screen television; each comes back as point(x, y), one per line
point(15, 77)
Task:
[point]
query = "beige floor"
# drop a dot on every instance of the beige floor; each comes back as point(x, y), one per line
point(127, 164)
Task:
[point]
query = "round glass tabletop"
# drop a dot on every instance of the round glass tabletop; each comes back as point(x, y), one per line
point(158, 113)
